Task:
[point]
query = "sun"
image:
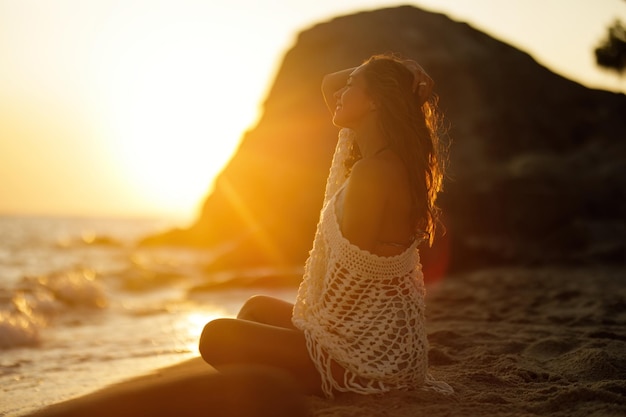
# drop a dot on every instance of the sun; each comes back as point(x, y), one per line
point(174, 112)
point(170, 142)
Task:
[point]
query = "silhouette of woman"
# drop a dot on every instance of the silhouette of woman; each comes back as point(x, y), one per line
point(358, 321)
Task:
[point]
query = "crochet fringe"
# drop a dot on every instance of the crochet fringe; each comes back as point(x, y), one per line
point(362, 311)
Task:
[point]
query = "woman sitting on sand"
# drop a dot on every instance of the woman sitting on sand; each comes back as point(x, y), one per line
point(358, 321)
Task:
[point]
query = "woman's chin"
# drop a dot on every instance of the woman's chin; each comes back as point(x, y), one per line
point(338, 122)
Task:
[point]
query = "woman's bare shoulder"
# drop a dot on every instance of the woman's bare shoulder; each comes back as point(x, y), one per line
point(382, 171)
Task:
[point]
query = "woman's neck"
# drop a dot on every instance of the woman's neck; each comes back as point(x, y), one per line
point(370, 140)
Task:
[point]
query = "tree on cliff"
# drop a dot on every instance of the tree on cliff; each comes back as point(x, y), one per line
point(611, 53)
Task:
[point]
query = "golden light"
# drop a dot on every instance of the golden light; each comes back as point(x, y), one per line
point(173, 105)
point(194, 325)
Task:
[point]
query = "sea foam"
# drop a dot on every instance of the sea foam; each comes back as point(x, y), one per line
point(37, 301)
point(17, 329)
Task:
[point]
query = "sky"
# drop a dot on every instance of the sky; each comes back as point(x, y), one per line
point(131, 107)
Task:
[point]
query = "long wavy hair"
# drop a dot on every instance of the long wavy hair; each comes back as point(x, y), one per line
point(414, 130)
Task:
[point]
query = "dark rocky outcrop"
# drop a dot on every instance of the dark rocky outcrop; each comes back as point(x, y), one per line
point(537, 166)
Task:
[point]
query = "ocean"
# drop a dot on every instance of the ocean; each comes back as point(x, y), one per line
point(82, 306)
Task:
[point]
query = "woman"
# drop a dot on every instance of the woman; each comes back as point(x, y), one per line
point(358, 321)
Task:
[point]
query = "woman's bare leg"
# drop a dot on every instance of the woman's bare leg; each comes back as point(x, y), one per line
point(226, 342)
point(235, 392)
point(267, 310)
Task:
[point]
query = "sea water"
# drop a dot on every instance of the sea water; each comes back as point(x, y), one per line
point(82, 306)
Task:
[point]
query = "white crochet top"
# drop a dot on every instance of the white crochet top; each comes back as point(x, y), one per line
point(364, 312)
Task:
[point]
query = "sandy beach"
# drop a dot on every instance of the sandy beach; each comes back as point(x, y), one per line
point(547, 341)
point(529, 318)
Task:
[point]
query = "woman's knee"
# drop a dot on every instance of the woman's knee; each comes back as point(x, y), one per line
point(251, 308)
point(214, 341)
point(267, 310)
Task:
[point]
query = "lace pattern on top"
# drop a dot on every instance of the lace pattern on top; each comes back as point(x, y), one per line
point(363, 311)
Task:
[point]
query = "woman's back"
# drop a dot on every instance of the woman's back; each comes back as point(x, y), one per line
point(377, 208)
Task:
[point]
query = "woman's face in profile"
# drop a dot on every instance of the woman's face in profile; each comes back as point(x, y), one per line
point(353, 104)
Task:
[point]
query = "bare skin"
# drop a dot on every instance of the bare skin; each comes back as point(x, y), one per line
point(262, 333)
point(376, 211)
point(239, 391)
point(377, 204)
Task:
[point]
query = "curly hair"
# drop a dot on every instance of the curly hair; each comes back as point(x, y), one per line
point(413, 129)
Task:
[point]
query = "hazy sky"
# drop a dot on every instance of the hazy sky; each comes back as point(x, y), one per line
point(131, 107)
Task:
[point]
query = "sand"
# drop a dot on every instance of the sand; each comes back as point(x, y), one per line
point(511, 342)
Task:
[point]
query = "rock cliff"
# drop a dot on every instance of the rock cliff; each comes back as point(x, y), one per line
point(537, 163)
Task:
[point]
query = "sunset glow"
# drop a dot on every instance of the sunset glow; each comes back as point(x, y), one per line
point(159, 96)
point(132, 107)
point(172, 125)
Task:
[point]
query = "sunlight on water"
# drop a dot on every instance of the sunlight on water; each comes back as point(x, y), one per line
point(17, 330)
point(82, 307)
point(194, 323)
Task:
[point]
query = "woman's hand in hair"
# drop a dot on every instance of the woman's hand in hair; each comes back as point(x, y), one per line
point(422, 83)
